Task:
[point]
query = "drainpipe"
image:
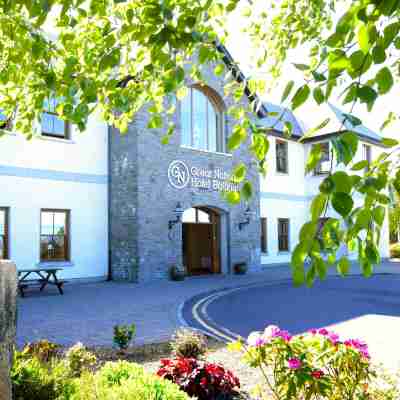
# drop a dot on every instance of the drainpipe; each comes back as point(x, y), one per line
point(109, 180)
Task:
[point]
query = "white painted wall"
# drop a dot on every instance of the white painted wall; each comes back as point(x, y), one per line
point(290, 195)
point(59, 174)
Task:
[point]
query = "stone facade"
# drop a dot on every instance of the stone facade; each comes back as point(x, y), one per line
point(142, 200)
point(8, 318)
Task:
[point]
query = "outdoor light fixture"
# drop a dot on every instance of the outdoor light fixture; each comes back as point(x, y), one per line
point(178, 212)
point(248, 215)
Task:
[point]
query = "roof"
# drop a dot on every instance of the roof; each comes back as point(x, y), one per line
point(337, 123)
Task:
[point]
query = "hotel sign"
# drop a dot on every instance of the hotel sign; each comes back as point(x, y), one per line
point(180, 176)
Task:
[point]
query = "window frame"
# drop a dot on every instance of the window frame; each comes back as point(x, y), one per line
point(6, 235)
point(279, 142)
point(318, 169)
point(287, 238)
point(67, 235)
point(67, 132)
point(220, 139)
point(264, 235)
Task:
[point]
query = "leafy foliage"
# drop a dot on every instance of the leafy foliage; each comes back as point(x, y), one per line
point(203, 381)
point(316, 365)
point(79, 359)
point(114, 57)
point(123, 335)
point(187, 343)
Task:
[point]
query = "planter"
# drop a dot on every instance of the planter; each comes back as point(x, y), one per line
point(177, 273)
point(240, 268)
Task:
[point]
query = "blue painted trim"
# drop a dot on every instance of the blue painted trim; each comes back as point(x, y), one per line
point(284, 196)
point(34, 173)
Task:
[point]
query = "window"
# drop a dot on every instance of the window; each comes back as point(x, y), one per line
point(324, 164)
point(283, 234)
point(281, 156)
point(367, 153)
point(3, 233)
point(201, 122)
point(52, 124)
point(54, 235)
point(196, 216)
point(264, 238)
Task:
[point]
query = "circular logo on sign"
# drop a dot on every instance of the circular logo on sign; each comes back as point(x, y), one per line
point(178, 174)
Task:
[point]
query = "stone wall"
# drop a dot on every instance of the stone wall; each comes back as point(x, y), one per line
point(142, 200)
point(8, 318)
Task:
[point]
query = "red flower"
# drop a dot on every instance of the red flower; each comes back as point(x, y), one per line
point(318, 374)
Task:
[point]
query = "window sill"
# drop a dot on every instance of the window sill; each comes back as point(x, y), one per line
point(49, 264)
point(57, 139)
point(220, 153)
point(281, 173)
point(283, 253)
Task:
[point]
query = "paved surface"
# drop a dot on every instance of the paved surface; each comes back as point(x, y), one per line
point(88, 312)
point(354, 307)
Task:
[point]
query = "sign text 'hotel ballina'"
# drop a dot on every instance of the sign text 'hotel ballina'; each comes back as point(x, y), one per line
point(181, 176)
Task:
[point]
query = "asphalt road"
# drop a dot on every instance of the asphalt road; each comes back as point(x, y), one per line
point(354, 307)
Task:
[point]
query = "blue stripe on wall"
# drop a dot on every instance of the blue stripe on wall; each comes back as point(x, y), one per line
point(285, 196)
point(34, 173)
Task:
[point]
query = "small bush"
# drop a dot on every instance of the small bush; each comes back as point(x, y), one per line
point(124, 381)
point(395, 250)
point(33, 379)
point(187, 343)
point(123, 335)
point(204, 381)
point(79, 359)
point(43, 350)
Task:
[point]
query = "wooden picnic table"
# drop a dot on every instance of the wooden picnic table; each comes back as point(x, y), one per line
point(46, 276)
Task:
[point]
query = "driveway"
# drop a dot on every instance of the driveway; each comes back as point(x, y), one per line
point(353, 307)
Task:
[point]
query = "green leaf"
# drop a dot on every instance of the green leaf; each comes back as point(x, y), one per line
point(298, 275)
point(219, 69)
point(318, 206)
point(239, 173)
point(316, 129)
point(378, 54)
point(342, 203)
point(302, 67)
point(342, 181)
point(389, 142)
point(308, 231)
point(327, 186)
point(300, 96)
point(287, 91)
point(110, 60)
point(363, 38)
point(321, 268)
point(247, 190)
point(318, 76)
point(384, 79)
point(343, 266)
point(314, 157)
point(311, 275)
point(389, 34)
point(360, 165)
point(299, 255)
point(372, 254)
point(378, 214)
point(363, 219)
point(318, 95)
point(238, 136)
point(155, 122)
point(367, 95)
point(366, 268)
point(233, 197)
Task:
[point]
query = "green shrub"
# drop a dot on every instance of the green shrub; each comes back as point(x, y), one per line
point(33, 379)
point(187, 343)
point(123, 335)
point(395, 250)
point(79, 359)
point(43, 350)
point(124, 381)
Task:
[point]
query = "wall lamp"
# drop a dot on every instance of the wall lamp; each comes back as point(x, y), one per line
point(249, 216)
point(178, 212)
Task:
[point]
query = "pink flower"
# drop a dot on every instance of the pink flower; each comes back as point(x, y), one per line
point(358, 345)
point(294, 363)
point(318, 374)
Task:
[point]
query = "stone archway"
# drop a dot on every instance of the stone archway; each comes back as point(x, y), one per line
point(201, 240)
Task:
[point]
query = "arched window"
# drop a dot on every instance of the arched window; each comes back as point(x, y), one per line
point(201, 122)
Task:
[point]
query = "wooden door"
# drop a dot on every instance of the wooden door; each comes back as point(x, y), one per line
point(198, 248)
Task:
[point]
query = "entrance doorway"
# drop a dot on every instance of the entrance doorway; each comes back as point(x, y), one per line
point(201, 241)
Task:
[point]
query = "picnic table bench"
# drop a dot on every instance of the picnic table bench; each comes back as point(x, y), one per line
point(46, 276)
